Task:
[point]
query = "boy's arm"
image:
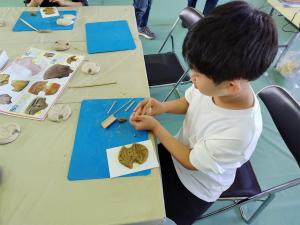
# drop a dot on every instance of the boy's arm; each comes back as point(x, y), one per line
point(179, 106)
point(178, 150)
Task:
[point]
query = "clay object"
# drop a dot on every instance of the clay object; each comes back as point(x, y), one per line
point(49, 10)
point(59, 113)
point(51, 88)
point(4, 78)
point(122, 120)
point(72, 59)
point(2, 23)
point(5, 99)
point(57, 71)
point(49, 54)
point(61, 46)
point(64, 21)
point(19, 85)
point(37, 87)
point(69, 16)
point(137, 153)
point(9, 133)
point(36, 105)
point(32, 13)
point(28, 63)
point(90, 68)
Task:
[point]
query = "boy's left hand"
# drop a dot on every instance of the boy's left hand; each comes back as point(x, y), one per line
point(144, 122)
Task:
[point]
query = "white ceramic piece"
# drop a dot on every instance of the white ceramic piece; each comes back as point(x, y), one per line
point(59, 113)
point(69, 16)
point(61, 46)
point(9, 133)
point(64, 22)
point(90, 68)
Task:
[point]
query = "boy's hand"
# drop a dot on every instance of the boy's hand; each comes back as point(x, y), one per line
point(34, 3)
point(150, 107)
point(144, 122)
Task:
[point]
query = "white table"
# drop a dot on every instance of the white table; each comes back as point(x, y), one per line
point(34, 189)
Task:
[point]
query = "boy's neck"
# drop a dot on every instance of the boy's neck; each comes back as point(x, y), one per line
point(242, 100)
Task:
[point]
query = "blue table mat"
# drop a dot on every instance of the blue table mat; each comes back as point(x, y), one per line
point(89, 159)
point(108, 36)
point(42, 23)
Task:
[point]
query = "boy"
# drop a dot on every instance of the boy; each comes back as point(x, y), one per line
point(231, 46)
point(51, 3)
point(209, 5)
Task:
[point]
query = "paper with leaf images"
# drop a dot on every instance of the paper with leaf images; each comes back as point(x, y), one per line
point(31, 83)
point(116, 168)
point(49, 12)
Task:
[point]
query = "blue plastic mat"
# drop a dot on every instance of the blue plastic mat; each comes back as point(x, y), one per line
point(42, 23)
point(89, 160)
point(108, 37)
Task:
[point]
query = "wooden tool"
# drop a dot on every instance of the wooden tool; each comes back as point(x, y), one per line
point(33, 28)
point(111, 119)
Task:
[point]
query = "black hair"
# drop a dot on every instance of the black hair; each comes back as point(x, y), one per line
point(235, 41)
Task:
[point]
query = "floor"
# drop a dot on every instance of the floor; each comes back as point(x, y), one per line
point(272, 162)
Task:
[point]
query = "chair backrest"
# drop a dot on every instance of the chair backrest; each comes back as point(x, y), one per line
point(285, 112)
point(190, 16)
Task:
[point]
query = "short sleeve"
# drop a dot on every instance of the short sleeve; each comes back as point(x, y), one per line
point(189, 93)
point(218, 155)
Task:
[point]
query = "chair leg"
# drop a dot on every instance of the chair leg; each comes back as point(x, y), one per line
point(265, 203)
point(238, 204)
point(175, 86)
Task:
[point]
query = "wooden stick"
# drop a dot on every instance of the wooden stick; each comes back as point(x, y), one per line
point(92, 85)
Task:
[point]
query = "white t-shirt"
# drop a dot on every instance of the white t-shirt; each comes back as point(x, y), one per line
point(221, 140)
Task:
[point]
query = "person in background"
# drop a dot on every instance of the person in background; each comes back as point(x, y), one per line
point(142, 10)
point(209, 5)
point(55, 3)
point(228, 48)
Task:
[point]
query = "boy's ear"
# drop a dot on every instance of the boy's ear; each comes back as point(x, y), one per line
point(233, 86)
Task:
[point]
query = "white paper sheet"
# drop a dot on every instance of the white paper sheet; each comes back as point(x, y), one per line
point(116, 169)
point(44, 15)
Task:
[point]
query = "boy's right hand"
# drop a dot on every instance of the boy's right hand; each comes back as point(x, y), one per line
point(150, 107)
point(35, 3)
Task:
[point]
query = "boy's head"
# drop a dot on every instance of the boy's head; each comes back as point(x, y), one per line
point(234, 42)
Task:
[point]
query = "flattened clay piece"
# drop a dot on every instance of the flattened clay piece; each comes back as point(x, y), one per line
point(59, 113)
point(137, 153)
point(2, 23)
point(49, 10)
point(9, 133)
point(37, 87)
point(64, 22)
point(4, 78)
point(19, 85)
point(61, 46)
point(90, 68)
point(5, 99)
point(69, 16)
point(36, 105)
point(49, 54)
point(57, 71)
point(71, 59)
point(52, 88)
